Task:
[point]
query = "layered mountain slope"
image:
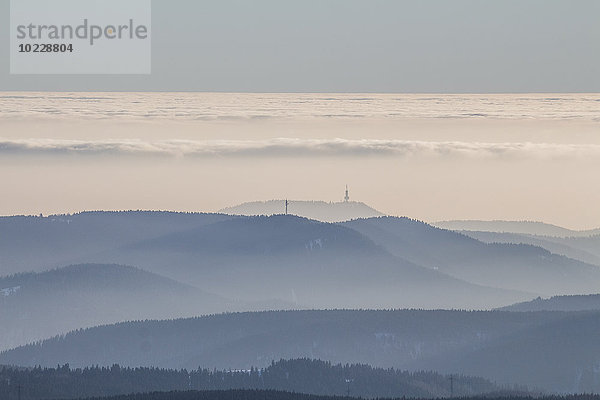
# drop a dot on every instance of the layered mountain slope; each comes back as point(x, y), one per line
point(589, 244)
point(300, 260)
point(574, 248)
point(509, 266)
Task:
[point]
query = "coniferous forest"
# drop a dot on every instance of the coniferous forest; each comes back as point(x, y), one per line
point(279, 395)
point(300, 375)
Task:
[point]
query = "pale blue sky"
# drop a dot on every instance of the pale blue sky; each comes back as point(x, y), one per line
point(357, 46)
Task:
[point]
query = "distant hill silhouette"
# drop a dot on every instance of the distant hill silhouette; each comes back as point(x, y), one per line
point(555, 351)
point(317, 210)
point(587, 244)
point(574, 248)
point(523, 227)
point(558, 303)
point(509, 266)
point(583, 245)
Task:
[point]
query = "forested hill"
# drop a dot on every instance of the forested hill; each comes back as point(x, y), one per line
point(300, 375)
point(240, 340)
point(554, 351)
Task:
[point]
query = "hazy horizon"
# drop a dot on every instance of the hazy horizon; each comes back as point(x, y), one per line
point(433, 157)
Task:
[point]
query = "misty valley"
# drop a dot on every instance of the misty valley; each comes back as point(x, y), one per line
point(251, 299)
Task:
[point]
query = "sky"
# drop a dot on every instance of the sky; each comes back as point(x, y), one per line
point(414, 46)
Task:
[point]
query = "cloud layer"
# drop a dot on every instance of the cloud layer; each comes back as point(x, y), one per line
point(291, 147)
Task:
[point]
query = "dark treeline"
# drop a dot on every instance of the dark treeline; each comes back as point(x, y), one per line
point(222, 395)
point(300, 376)
point(279, 395)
